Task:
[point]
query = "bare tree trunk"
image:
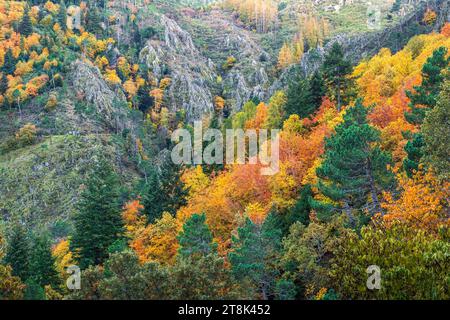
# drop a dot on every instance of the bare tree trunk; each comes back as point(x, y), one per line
point(339, 95)
point(373, 192)
point(348, 213)
point(20, 109)
point(264, 293)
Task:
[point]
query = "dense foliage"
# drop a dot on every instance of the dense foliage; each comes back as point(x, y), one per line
point(363, 176)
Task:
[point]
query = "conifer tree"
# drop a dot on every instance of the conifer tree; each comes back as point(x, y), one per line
point(18, 252)
point(254, 254)
point(33, 290)
point(414, 150)
point(335, 70)
point(42, 263)
point(304, 96)
point(62, 16)
point(436, 130)
point(299, 98)
point(3, 83)
point(396, 6)
point(151, 197)
point(25, 26)
point(144, 100)
point(98, 223)
point(425, 96)
point(196, 239)
point(9, 64)
point(422, 101)
point(302, 209)
point(93, 21)
point(163, 191)
point(317, 85)
point(353, 167)
point(172, 187)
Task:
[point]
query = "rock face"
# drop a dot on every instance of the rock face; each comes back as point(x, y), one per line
point(191, 73)
point(196, 72)
point(248, 77)
point(88, 82)
point(193, 49)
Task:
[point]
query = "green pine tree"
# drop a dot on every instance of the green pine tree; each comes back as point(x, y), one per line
point(302, 209)
point(98, 223)
point(423, 100)
point(285, 290)
point(425, 96)
point(9, 64)
point(144, 100)
point(18, 252)
point(196, 239)
point(93, 21)
point(254, 256)
point(335, 70)
point(42, 263)
point(414, 150)
point(33, 290)
point(396, 6)
point(3, 83)
point(300, 100)
point(151, 197)
point(172, 187)
point(62, 16)
point(318, 89)
point(163, 191)
point(436, 130)
point(25, 26)
point(354, 169)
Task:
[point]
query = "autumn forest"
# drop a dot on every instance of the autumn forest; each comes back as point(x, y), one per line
point(92, 207)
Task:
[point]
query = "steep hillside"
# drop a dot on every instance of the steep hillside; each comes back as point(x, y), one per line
point(91, 93)
point(205, 54)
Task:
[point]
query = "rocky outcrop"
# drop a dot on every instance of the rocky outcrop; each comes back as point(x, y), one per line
point(194, 48)
point(190, 72)
point(226, 38)
point(88, 83)
point(196, 72)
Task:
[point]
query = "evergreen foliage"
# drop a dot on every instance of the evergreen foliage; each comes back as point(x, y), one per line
point(98, 223)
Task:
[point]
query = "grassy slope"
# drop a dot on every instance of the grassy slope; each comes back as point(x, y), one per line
point(41, 183)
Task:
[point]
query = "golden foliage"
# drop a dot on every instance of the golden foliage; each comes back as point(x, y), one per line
point(195, 180)
point(133, 219)
point(429, 17)
point(63, 257)
point(219, 103)
point(11, 287)
point(27, 134)
point(285, 57)
point(260, 14)
point(422, 203)
point(158, 241)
